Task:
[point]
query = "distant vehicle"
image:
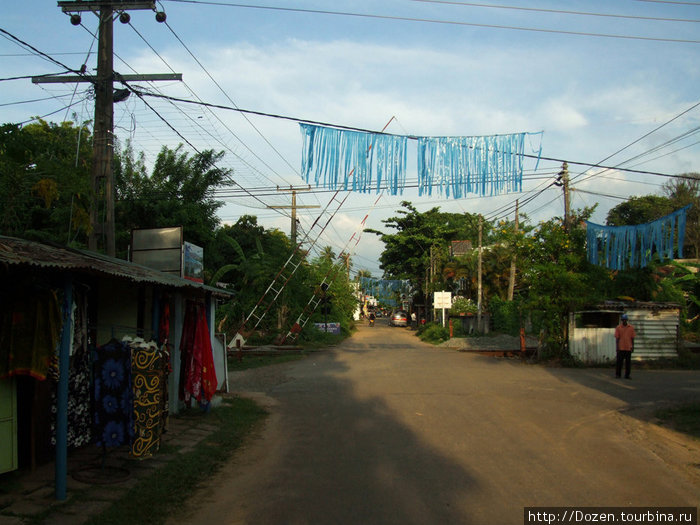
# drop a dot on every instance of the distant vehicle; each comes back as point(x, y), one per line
point(399, 318)
point(378, 313)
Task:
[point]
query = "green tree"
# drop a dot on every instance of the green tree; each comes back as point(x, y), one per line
point(406, 252)
point(45, 182)
point(640, 210)
point(683, 191)
point(557, 278)
point(179, 192)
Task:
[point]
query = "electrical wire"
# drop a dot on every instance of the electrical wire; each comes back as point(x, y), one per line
point(555, 11)
point(364, 130)
point(436, 21)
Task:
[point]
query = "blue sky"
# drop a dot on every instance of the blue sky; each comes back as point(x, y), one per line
point(591, 95)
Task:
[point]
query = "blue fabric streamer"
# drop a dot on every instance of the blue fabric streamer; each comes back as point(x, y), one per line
point(486, 165)
point(384, 290)
point(353, 160)
point(633, 246)
point(362, 161)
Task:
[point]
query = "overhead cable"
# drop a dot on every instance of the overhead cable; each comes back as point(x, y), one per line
point(436, 21)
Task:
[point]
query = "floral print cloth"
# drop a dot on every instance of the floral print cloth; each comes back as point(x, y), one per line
point(112, 394)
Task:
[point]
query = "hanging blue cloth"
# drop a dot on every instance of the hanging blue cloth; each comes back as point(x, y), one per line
point(485, 165)
point(363, 161)
point(385, 290)
point(353, 160)
point(624, 247)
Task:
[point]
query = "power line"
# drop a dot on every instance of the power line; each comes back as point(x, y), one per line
point(436, 21)
point(643, 137)
point(364, 130)
point(556, 11)
point(218, 139)
point(38, 52)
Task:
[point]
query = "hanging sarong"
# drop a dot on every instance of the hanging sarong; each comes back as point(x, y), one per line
point(147, 373)
point(112, 394)
point(30, 327)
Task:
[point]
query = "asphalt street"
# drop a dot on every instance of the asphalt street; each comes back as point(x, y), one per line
point(385, 429)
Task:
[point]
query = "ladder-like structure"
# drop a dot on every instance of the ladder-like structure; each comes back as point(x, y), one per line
point(319, 291)
point(279, 282)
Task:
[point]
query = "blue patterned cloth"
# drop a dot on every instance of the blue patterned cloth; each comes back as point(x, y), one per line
point(113, 397)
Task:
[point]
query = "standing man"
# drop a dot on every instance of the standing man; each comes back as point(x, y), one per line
point(624, 346)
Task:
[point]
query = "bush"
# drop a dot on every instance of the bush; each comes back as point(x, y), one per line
point(462, 305)
point(433, 333)
point(505, 316)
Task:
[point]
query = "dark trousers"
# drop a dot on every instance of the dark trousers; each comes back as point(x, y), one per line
point(626, 356)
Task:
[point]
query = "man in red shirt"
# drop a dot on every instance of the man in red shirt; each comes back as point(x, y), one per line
point(624, 346)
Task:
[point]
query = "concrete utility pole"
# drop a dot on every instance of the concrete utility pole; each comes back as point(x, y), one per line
point(294, 208)
point(102, 177)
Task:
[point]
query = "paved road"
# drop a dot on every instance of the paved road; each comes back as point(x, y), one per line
point(385, 429)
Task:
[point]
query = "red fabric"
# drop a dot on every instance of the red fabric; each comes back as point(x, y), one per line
point(189, 362)
point(164, 328)
point(198, 377)
point(209, 382)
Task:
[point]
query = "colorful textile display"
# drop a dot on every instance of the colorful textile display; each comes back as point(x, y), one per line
point(624, 247)
point(147, 376)
point(353, 160)
point(79, 405)
point(363, 161)
point(197, 373)
point(112, 394)
point(30, 327)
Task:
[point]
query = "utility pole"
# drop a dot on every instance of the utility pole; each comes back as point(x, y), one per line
point(102, 177)
point(294, 208)
point(564, 183)
point(479, 274)
point(511, 280)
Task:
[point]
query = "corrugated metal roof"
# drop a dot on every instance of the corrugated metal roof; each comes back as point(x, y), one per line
point(635, 305)
point(21, 252)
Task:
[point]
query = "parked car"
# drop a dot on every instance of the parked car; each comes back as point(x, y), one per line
point(399, 318)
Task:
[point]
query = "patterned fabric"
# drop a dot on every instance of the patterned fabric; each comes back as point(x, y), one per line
point(29, 332)
point(147, 376)
point(79, 407)
point(112, 394)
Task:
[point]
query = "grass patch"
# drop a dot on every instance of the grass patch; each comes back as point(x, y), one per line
point(166, 491)
point(256, 361)
point(683, 418)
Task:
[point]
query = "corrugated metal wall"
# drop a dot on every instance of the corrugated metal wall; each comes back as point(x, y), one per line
point(657, 336)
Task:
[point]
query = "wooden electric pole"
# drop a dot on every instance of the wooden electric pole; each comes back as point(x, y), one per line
point(102, 177)
point(479, 276)
point(511, 280)
point(294, 208)
point(564, 180)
